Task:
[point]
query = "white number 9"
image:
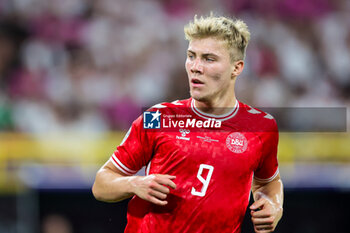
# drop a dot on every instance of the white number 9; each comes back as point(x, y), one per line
point(204, 181)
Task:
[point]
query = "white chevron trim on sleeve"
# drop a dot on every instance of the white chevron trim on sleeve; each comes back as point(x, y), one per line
point(254, 111)
point(158, 106)
point(268, 116)
point(176, 102)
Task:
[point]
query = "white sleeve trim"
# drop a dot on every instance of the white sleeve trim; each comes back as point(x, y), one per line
point(121, 166)
point(267, 180)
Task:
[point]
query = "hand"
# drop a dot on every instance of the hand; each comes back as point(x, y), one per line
point(265, 215)
point(153, 188)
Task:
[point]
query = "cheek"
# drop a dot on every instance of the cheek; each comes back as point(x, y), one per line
point(187, 65)
point(216, 78)
point(220, 79)
point(218, 74)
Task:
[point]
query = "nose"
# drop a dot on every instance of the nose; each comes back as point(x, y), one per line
point(197, 66)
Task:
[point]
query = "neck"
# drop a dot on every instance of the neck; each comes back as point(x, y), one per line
point(216, 107)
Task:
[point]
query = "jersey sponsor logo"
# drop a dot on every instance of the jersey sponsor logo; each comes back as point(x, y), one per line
point(236, 142)
point(207, 139)
point(183, 132)
point(151, 120)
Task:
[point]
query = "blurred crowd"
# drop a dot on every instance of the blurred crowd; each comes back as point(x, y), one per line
point(92, 65)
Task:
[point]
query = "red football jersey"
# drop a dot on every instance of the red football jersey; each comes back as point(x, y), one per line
point(214, 167)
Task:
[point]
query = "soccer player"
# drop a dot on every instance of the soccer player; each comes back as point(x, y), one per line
point(206, 155)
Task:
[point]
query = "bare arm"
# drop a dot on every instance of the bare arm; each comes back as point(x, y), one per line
point(111, 185)
point(267, 209)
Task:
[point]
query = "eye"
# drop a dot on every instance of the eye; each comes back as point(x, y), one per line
point(209, 59)
point(190, 56)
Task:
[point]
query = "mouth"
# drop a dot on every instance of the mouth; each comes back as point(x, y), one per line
point(196, 82)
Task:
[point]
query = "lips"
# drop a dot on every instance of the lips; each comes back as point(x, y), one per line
point(196, 82)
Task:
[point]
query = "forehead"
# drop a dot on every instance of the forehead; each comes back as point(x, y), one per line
point(209, 45)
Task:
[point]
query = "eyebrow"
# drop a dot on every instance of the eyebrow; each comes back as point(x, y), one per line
point(204, 54)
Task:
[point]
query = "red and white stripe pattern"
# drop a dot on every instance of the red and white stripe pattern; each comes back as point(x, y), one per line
point(121, 166)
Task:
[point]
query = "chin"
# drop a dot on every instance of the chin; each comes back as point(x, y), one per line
point(194, 95)
point(198, 97)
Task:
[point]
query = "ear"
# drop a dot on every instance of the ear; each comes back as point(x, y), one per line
point(237, 68)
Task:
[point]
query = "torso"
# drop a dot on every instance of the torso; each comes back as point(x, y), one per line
point(213, 169)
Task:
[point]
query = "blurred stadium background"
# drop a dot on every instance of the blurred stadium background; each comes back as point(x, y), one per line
point(74, 74)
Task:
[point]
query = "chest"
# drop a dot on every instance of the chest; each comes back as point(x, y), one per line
point(227, 152)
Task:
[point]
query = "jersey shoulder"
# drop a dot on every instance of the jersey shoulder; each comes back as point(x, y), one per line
point(164, 108)
point(170, 106)
point(257, 118)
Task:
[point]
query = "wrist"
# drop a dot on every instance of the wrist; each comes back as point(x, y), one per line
point(132, 184)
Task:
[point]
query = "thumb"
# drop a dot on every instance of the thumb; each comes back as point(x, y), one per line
point(258, 204)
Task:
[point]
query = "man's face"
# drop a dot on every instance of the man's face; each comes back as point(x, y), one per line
point(209, 69)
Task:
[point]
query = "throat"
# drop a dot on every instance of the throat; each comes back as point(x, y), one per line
point(215, 108)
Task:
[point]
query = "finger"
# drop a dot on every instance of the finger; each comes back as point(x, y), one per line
point(262, 221)
point(258, 204)
point(156, 201)
point(264, 213)
point(171, 177)
point(160, 188)
point(261, 228)
point(265, 229)
point(167, 182)
point(167, 176)
point(158, 195)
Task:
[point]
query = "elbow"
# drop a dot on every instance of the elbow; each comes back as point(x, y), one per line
point(96, 192)
point(98, 189)
point(106, 187)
